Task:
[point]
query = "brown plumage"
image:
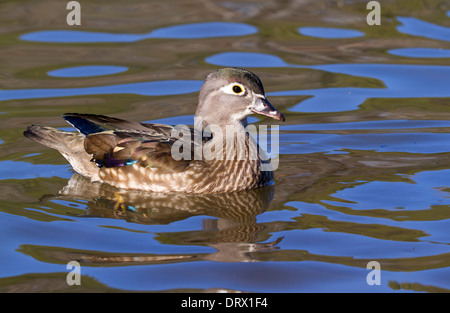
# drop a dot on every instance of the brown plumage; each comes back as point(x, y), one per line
point(132, 155)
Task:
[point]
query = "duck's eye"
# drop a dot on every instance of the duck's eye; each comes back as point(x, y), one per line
point(237, 89)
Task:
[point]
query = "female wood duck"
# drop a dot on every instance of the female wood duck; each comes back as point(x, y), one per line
point(132, 155)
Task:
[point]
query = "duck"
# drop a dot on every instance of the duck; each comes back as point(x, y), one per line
point(217, 155)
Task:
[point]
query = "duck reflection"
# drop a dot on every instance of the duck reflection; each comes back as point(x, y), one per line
point(230, 227)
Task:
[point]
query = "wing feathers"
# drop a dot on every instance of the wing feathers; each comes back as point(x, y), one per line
point(128, 143)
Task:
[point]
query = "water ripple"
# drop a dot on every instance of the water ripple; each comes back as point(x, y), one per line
point(369, 125)
point(329, 32)
point(187, 31)
point(414, 26)
point(157, 88)
point(402, 81)
point(88, 71)
point(414, 142)
point(420, 192)
point(421, 52)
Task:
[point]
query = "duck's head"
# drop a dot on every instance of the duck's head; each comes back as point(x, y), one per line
point(230, 95)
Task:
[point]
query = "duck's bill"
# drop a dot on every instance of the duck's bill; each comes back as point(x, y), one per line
point(263, 107)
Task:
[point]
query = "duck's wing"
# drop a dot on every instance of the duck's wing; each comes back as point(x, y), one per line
point(92, 123)
point(114, 142)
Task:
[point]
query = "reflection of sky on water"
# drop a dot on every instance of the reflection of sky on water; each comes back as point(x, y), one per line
point(188, 31)
point(185, 120)
point(418, 139)
point(174, 120)
point(86, 71)
point(416, 27)
point(402, 81)
point(419, 193)
point(421, 52)
point(24, 170)
point(157, 88)
point(318, 225)
point(329, 32)
point(369, 125)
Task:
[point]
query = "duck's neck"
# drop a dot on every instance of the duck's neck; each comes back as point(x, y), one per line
point(228, 141)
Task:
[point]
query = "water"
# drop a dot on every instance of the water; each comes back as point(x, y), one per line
point(85, 71)
point(187, 31)
point(364, 167)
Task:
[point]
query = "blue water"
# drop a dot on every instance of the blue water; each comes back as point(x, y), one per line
point(421, 52)
point(363, 157)
point(400, 81)
point(87, 71)
point(157, 88)
point(188, 31)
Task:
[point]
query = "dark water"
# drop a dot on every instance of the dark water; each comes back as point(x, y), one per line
point(364, 158)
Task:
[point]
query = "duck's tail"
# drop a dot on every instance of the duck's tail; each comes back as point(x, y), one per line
point(53, 138)
point(69, 144)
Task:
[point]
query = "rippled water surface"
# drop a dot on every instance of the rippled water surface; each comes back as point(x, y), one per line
point(364, 154)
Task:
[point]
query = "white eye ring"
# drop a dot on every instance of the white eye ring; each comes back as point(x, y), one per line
point(234, 89)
